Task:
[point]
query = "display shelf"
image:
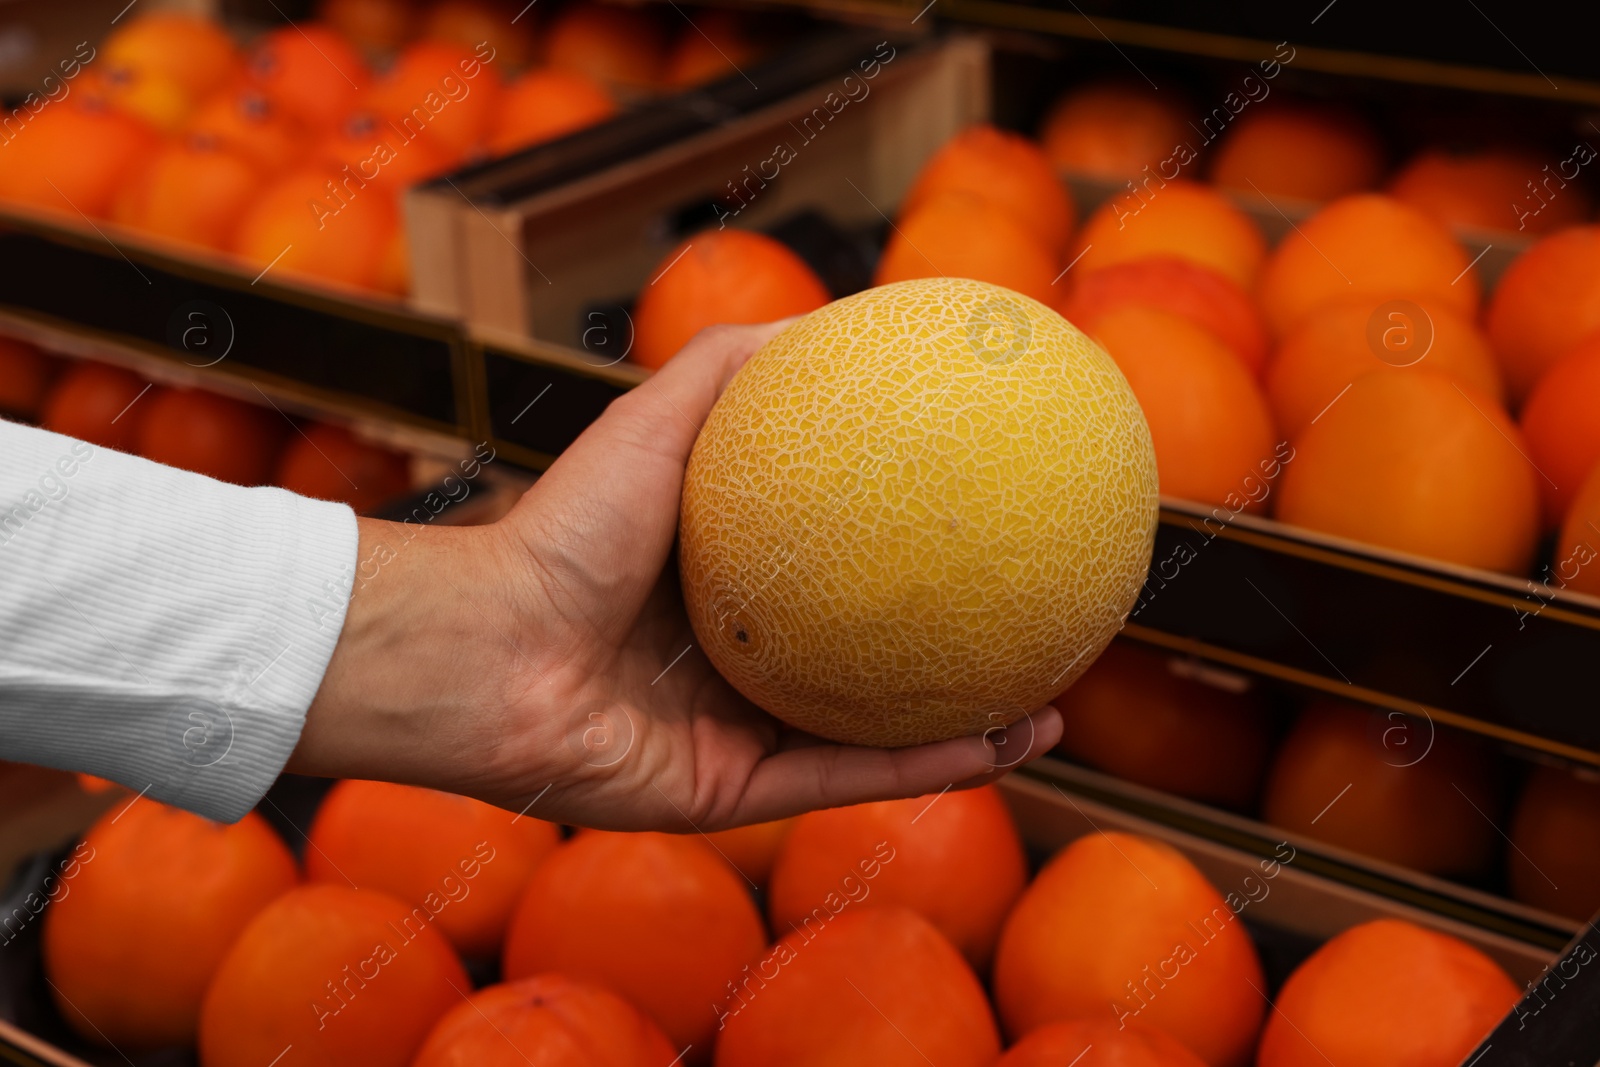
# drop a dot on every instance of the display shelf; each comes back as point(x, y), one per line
point(1510, 658)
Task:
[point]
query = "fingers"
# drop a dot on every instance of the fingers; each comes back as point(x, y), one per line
point(804, 777)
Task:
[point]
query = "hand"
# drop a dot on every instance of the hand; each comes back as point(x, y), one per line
point(545, 663)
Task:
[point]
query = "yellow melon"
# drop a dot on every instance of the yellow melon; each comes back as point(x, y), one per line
point(917, 513)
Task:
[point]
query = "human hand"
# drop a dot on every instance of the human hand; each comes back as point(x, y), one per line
point(545, 663)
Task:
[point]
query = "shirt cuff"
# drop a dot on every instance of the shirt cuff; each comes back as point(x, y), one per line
point(160, 628)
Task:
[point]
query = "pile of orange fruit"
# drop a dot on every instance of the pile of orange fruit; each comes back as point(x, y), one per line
point(1351, 380)
point(895, 933)
point(1397, 788)
point(196, 429)
point(292, 151)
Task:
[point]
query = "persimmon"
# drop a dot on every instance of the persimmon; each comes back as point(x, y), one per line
point(190, 191)
point(954, 858)
point(1125, 927)
point(1546, 302)
point(469, 23)
point(549, 1020)
point(1561, 423)
point(658, 918)
point(74, 157)
point(1098, 1043)
point(1299, 150)
point(1002, 168)
point(243, 120)
point(377, 27)
point(1204, 296)
point(1112, 130)
point(467, 862)
point(98, 403)
point(316, 223)
point(25, 377)
point(718, 44)
point(309, 71)
point(958, 235)
point(440, 92)
point(1130, 714)
point(615, 46)
point(1171, 218)
point(160, 66)
point(148, 878)
point(340, 975)
point(719, 276)
point(1492, 190)
point(1383, 993)
point(1414, 462)
point(752, 850)
point(367, 151)
point(1412, 788)
point(1371, 247)
point(545, 104)
point(1554, 863)
point(1213, 434)
point(873, 988)
point(330, 463)
point(1340, 342)
point(214, 435)
point(1577, 555)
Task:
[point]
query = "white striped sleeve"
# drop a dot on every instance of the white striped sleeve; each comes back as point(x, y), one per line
point(157, 627)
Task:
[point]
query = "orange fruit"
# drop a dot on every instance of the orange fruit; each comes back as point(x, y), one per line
point(328, 462)
point(1383, 993)
point(153, 878)
point(1578, 546)
point(1133, 716)
point(953, 858)
point(658, 918)
point(1199, 294)
point(549, 1020)
point(1561, 423)
point(545, 104)
point(1490, 190)
point(1111, 130)
point(1341, 341)
point(1122, 925)
point(1098, 1043)
point(314, 223)
point(1554, 862)
point(615, 46)
point(958, 235)
point(1005, 169)
point(1415, 462)
point(25, 375)
point(1304, 151)
point(883, 988)
point(160, 66)
point(90, 783)
point(465, 861)
point(469, 23)
point(1371, 247)
point(190, 191)
point(440, 92)
point(716, 45)
point(1207, 417)
point(719, 276)
point(340, 975)
point(74, 157)
point(310, 72)
point(1175, 218)
point(217, 436)
point(1545, 303)
point(367, 150)
point(753, 849)
point(243, 120)
point(376, 27)
point(101, 404)
point(1412, 788)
